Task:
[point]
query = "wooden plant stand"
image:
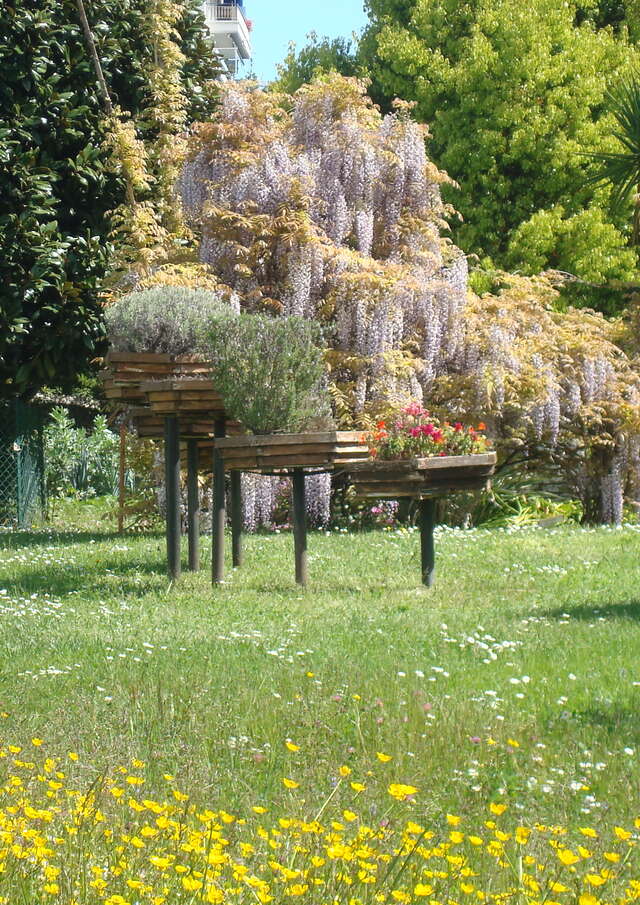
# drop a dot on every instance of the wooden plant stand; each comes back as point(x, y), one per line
point(295, 455)
point(171, 396)
point(193, 399)
point(423, 480)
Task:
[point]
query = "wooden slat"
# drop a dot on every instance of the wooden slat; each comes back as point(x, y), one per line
point(177, 383)
point(332, 437)
point(113, 357)
point(436, 462)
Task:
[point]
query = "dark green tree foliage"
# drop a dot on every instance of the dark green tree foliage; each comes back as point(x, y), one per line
point(56, 189)
point(621, 168)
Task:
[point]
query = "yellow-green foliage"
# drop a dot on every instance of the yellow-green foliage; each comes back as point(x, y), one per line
point(149, 224)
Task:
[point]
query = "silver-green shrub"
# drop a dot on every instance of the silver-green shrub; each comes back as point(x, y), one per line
point(270, 372)
point(168, 319)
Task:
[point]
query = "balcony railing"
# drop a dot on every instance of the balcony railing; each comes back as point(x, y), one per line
point(226, 12)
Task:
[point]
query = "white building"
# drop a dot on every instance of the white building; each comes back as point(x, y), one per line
point(231, 31)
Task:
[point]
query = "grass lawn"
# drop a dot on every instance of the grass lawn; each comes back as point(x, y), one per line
point(515, 681)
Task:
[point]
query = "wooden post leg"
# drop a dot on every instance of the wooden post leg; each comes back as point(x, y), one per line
point(236, 519)
point(193, 505)
point(300, 526)
point(427, 546)
point(122, 473)
point(219, 514)
point(172, 483)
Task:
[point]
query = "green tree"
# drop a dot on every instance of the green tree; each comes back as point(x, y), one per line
point(57, 187)
point(318, 55)
point(514, 94)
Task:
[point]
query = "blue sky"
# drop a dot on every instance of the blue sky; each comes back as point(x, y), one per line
point(276, 22)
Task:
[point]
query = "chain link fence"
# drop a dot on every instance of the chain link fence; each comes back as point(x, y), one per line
point(22, 487)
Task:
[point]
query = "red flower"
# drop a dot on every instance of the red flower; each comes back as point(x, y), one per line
point(457, 426)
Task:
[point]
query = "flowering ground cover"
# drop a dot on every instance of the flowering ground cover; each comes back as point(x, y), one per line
point(364, 741)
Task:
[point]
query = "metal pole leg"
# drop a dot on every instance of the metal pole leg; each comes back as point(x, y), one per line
point(193, 505)
point(236, 518)
point(300, 526)
point(427, 546)
point(219, 508)
point(172, 482)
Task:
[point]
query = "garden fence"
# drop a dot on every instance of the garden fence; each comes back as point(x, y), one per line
point(22, 488)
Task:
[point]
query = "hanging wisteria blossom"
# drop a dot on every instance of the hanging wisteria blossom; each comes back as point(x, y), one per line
point(319, 206)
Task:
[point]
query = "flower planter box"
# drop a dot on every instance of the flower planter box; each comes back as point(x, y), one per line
point(280, 452)
point(149, 425)
point(124, 372)
point(422, 478)
point(183, 396)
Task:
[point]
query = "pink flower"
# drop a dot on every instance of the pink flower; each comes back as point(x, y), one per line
point(415, 431)
point(414, 408)
point(428, 430)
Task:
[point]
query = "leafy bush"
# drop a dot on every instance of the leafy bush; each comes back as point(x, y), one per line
point(269, 371)
point(168, 319)
point(77, 460)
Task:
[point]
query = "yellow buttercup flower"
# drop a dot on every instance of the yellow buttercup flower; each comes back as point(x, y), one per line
point(497, 808)
point(290, 783)
point(400, 791)
point(567, 857)
point(383, 758)
point(595, 880)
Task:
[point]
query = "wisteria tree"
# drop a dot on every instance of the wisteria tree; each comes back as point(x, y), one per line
point(319, 206)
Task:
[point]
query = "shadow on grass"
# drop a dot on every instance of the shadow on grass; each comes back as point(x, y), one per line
point(627, 609)
point(94, 578)
point(619, 723)
point(10, 540)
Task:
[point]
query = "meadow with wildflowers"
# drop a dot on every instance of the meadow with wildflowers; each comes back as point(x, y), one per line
point(364, 741)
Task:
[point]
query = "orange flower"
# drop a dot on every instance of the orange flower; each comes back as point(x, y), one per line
point(482, 426)
point(381, 425)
